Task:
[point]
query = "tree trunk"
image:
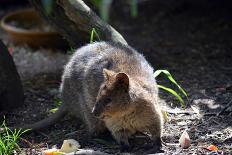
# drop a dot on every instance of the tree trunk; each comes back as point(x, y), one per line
point(70, 17)
point(11, 90)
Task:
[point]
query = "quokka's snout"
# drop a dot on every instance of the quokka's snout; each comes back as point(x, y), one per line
point(97, 109)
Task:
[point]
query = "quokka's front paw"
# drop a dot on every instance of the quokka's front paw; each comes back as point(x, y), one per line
point(157, 143)
point(124, 147)
point(154, 144)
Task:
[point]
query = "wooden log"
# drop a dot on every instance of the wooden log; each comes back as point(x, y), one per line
point(72, 18)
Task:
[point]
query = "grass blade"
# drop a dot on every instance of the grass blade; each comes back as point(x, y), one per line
point(173, 93)
point(157, 73)
point(8, 139)
point(53, 110)
point(105, 8)
point(92, 35)
point(169, 76)
point(93, 32)
point(48, 6)
point(134, 8)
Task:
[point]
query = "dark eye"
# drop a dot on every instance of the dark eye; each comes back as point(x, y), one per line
point(104, 87)
point(107, 101)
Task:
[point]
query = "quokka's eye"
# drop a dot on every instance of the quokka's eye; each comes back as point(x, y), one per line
point(104, 87)
point(107, 100)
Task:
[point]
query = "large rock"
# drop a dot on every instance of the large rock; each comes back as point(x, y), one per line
point(11, 90)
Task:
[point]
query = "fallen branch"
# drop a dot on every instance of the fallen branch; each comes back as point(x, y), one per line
point(73, 17)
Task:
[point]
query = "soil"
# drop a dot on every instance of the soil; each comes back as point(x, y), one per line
point(191, 39)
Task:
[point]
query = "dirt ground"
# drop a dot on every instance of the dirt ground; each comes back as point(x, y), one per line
point(191, 39)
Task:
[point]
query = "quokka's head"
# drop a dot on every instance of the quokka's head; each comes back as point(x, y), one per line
point(113, 96)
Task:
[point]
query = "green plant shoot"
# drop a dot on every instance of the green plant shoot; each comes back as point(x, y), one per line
point(169, 76)
point(48, 6)
point(57, 104)
point(93, 33)
point(71, 51)
point(9, 138)
point(134, 8)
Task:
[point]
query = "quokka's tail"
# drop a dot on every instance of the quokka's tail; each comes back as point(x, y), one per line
point(61, 112)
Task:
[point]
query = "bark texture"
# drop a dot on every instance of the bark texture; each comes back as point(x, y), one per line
point(11, 90)
point(73, 18)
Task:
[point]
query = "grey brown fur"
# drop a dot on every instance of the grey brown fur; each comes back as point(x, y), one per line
point(117, 84)
point(110, 87)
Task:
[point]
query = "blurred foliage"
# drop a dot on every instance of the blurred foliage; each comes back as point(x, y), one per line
point(48, 6)
point(134, 9)
point(104, 7)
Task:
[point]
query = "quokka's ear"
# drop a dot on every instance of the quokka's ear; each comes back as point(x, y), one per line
point(123, 79)
point(108, 73)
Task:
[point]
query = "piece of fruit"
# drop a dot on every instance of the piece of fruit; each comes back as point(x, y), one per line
point(212, 148)
point(53, 151)
point(70, 145)
point(184, 140)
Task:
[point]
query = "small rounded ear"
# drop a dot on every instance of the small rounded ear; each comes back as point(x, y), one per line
point(122, 78)
point(108, 73)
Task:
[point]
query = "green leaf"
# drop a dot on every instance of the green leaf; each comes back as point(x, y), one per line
point(92, 35)
point(48, 6)
point(8, 139)
point(93, 32)
point(157, 73)
point(71, 51)
point(134, 8)
point(104, 9)
point(169, 76)
point(173, 93)
point(57, 101)
point(97, 3)
point(53, 110)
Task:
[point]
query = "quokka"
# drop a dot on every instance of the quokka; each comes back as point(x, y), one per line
point(110, 86)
